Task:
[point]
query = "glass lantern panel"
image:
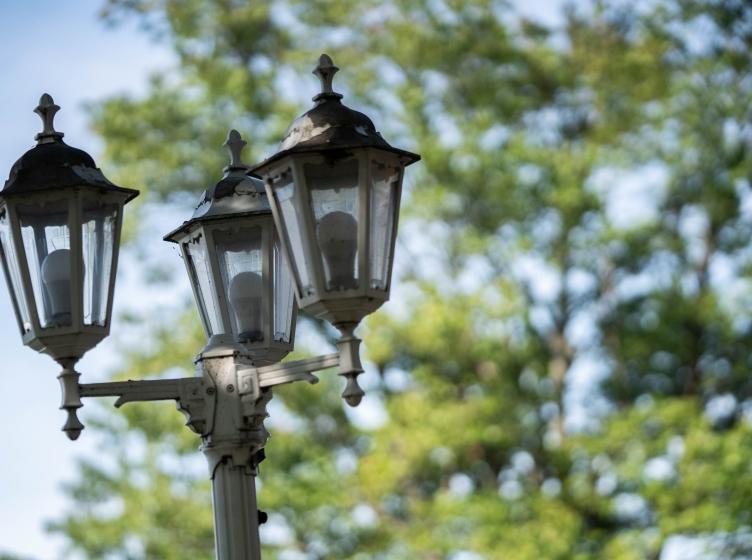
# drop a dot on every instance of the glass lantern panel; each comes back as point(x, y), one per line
point(284, 191)
point(385, 180)
point(10, 262)
point(241, 265)
point(99, 221)
point(46, 240)
point(334, 200)
point(197, 259)
point(284, 296)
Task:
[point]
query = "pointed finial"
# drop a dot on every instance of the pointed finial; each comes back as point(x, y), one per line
point(325, 72)
point(46, 110)
point(235, 145)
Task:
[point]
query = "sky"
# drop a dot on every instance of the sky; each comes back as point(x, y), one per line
point(62, 49)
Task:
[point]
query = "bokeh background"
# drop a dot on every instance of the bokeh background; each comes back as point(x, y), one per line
point(563, 370)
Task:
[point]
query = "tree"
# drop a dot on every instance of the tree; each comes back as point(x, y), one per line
point(538, 272)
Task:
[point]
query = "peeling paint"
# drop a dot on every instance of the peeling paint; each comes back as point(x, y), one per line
point(247, 187)
point(305, 129)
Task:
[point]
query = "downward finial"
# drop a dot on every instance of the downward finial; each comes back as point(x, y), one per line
point(235, 145)
point(46, 110)
point(325, 72)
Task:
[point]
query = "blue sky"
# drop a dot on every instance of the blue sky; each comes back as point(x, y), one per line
point(60, 48)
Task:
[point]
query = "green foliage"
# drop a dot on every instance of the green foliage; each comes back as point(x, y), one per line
point(523, 267)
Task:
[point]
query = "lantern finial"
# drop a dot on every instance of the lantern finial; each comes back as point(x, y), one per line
point(325, 72)
point(46, 110)
point(235, 145)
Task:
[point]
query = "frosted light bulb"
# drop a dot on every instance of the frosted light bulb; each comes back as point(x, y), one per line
point(246, 290)
point(338, 239)
point(56, 280)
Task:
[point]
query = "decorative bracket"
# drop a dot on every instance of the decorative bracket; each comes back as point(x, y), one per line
point(194, 396)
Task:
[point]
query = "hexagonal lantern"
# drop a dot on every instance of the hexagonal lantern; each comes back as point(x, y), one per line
point(239, 273)
point(334, 189)
point(60, 222)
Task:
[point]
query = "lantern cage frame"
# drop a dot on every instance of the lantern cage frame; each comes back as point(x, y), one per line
point(238, 201)
point(55, 176)
point(331, 133)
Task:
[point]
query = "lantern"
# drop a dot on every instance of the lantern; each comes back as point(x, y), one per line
point(60, 222)
point(334, 189)
point(238, 271)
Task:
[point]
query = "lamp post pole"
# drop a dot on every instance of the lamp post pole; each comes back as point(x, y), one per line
point(226, 405)
point(233, 454)
point(318, 231)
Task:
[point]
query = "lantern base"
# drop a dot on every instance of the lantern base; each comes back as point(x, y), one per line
point(341, 311)
point(221, 345)
point(65, 346)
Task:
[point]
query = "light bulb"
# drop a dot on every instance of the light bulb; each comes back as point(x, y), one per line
point(246, 290)
point(338, 239)
point(56, 280)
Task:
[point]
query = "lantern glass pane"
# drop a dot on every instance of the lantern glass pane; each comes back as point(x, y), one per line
point(334, 200)
point(284, 295)
point(197, 259)
point(13, 273)
point(99, 221)
point(46, 240)
point(283, 188)
point(385, 180)
point(241, 265)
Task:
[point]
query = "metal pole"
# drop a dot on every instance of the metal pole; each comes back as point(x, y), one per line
point(232, 447)
point(236, 516)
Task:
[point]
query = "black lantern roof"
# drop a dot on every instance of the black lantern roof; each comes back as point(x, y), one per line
point(238, 193)
point(53, 164)
point(330, 125)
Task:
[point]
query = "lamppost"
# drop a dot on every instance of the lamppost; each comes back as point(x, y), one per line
point(318, 232)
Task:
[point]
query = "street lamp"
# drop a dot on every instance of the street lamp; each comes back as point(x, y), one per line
point(60, 221)
point(321, 231)
point(334, 189)
point(240, 277)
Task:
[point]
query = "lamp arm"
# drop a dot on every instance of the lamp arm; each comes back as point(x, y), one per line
point(347, 360)
point(299, 370)
point(194, 396)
